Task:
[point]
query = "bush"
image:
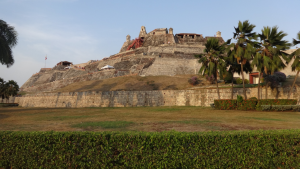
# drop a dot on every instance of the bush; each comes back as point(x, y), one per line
point(225, 104)
point(275, 79)
point(249, 104)
point(239, 81)
point(239, 98)
point(253, 98)
point(193, 80)
point(280, 107)
point(246, 81)
point(275, 102)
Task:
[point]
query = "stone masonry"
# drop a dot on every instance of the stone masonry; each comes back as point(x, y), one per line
point(202, 97)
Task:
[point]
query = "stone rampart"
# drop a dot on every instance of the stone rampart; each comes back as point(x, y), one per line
point(202, 97)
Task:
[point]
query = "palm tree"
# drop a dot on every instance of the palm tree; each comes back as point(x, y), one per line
point(296, 63)
point(11, 88)
point(212, 60)
point(244, 49)
point(8, 39)
point(272, 47)
point(2, 85)
point(235, 67)
point(258, 62)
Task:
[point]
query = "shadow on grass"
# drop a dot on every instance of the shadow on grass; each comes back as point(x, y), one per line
point(103, 124)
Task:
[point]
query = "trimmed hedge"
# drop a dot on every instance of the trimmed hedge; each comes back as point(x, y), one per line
point(9, 104)
point(249, 104)
point(225, 104)
point(275, 102)
point(254, 104)
point(280, 107)
point(229, 149)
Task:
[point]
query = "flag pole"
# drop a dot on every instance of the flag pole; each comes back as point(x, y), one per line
point(45, 60)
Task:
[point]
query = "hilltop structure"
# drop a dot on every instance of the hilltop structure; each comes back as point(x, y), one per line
point(158, 52)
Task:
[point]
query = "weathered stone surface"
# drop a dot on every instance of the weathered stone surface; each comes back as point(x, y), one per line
point(202, 97)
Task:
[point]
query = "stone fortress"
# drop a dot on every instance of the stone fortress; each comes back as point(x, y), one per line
point(158, 52)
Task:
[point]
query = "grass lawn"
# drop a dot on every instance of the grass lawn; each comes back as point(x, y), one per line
point(150, 119)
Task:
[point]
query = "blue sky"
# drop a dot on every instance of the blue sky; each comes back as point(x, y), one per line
point(81, 30)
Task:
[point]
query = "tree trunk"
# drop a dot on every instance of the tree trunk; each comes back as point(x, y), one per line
point(232, 87)
point(258, 86)
point(293, 85)
point(244, 90)
point(217, 82)
point(266, 90)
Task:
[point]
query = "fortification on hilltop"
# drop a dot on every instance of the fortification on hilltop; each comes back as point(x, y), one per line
point(158, 52)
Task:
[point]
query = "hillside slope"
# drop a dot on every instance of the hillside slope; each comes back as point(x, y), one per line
point(133, 83)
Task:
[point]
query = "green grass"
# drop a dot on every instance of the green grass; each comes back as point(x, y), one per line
point(62, 118)
point(166, 109)
point(263, 118)
point(193, 121)
point(103, 124)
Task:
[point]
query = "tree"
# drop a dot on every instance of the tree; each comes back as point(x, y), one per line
point(212, 60)
point(258, 62)
point(2, 85)
point(296, 63)
point(244, 48)
point(234, 67)
point(272, 47)
point(9, 88)
point(8, 39)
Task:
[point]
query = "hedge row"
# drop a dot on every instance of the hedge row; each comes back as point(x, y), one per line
point(280, 107)
point(229, 149)
point(250, 104)
point(9, 104)
point(275, 102)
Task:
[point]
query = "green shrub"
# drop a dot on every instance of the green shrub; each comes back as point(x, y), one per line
point(225, 104)
point(239, 81)
point(246, 81)
point(239, 98)
point(265, 107)
point(249, 104)
point(253, 98)
point(275, 102)
point(280, 107)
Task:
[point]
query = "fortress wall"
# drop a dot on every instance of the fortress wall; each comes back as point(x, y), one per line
point(203, 97)
point(171, 67)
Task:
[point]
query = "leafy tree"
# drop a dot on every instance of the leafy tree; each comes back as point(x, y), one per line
point(212, 60)
point(244, 48)
point(9, 88)
point(8, 39)
point(272, 47)
point(296, 63)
